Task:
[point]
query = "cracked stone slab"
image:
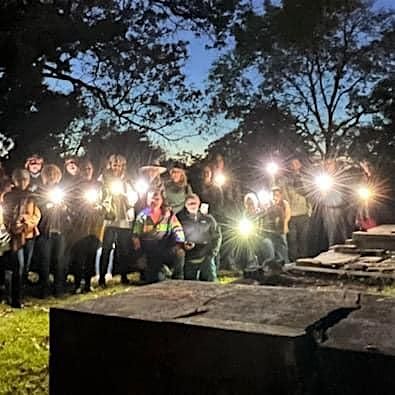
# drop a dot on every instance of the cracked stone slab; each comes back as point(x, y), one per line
point(369, 329)
point(236, 307)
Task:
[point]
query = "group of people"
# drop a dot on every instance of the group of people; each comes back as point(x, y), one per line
point(78, 221)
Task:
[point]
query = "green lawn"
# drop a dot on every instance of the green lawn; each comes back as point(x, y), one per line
point(24, 341)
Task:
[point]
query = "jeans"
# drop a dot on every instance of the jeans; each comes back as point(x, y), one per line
point(51, 249)
point(280, 247)
point(119, 240)
point(83, 256)
point(163, 263)
point(204, 271)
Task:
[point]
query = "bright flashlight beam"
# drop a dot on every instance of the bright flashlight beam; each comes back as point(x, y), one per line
point(91, 195)
point(272, 168)
point(246, 227)
point(324, 182)
point(56, 195)
point(116, 187)
point(365, 193)
point(132, 197)
point(219, 179)
point(264, 197)
point(141, 186)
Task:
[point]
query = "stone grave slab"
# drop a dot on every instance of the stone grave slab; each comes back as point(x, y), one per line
point(182, 337)
point(358, 355)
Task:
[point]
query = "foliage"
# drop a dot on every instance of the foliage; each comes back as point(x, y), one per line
point(319, 59)
point(68, 59)
point(266, 133)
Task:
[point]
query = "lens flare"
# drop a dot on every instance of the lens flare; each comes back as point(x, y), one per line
point(56, 195)
point(272, 168)
point(324, 182)
point(219, 179)
point(91, 195)
point(246, 227)
point(141, 186)
point(365, 193)
point(265, 197)
point(116, 187)
point(132, 197)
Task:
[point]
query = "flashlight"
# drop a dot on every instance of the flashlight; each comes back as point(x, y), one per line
point(324, 182)
point(56, 196)
point(272, 168)
point(219, 179)
point(246, 227)
point(91, 195)
point(364, 193)
point(132, 197)
point(141, 186)
point(116, 187)
point(264, 197)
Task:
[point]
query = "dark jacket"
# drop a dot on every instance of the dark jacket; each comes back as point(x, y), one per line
point(202, 230)
point(21, 217)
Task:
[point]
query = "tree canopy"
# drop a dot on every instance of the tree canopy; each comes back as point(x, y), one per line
point(123, 60)
point(322, 60)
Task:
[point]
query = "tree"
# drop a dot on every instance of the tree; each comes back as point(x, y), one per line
point(266, 133)
point(113, 59)
point(132, 144)
point(320, 59)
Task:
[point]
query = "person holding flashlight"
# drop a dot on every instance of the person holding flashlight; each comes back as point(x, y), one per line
point(119, 198)
point(88, 226)
point(203, 241)
point(55, 222)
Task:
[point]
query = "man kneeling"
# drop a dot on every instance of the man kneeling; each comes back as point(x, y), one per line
point(203, 241)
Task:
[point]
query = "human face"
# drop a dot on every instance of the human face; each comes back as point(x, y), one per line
point(295, 165)
point(192, 205)
point(34, 166)
point(207, 174)
point(72, 167)
point(176, 175)
point(250, 206)
point(24, 183)
point(87, 171)
point(156, 200)
point(152, 173)
point(277, 197)
point(117, 168)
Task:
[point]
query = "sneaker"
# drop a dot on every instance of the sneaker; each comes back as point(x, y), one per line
point(107, 277)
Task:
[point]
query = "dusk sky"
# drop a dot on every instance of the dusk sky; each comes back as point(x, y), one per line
point(197, 70)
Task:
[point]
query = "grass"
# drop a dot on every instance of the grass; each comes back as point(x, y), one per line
point(24, 340)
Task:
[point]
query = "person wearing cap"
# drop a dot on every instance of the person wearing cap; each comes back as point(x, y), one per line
point(177, 188)
point(150, 181)
point(34, 164)
point(158, 240)
point(203, 241)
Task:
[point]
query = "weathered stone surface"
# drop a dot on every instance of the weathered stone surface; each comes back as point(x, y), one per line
point(190, 338)
point(358, 356)
point(382, 236)
point(330, 258)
